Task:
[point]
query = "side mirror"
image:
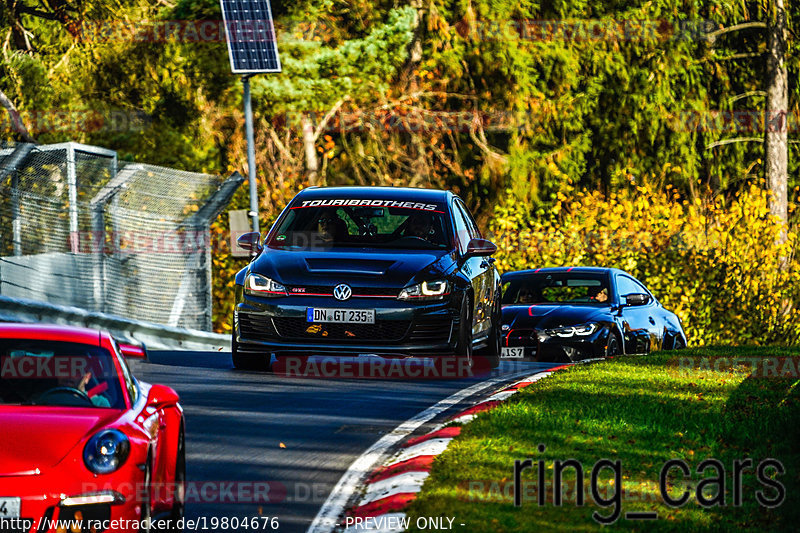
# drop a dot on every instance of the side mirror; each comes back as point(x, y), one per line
point(162, 396)
point(480, 247)
point(637, 299)
point(250, 241)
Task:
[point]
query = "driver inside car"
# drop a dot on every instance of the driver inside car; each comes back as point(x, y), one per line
point(91, 387)
point(598, 294)
point(420, 225)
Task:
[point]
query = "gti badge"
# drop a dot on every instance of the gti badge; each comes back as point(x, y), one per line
point(342, 292)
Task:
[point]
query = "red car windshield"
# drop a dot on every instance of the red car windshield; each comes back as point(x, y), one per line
point(36, 372)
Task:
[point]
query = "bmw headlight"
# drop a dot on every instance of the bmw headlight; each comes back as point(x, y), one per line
point(570, 331)
point(427, 290)
point(106, 451)
point(258, 285)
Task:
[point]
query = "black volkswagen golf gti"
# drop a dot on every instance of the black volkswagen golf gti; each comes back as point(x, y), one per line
point(375, 270)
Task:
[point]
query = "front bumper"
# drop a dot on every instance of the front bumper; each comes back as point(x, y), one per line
point(541, 347)
point(265, 325)
point(51, 502)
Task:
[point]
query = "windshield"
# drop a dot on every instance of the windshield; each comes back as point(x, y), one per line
point(419, 226)
point(36, 372)
point(562, 287)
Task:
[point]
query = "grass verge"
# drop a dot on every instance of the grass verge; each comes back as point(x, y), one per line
point(693, 405)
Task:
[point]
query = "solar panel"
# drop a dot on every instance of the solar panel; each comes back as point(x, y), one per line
point(250, 33)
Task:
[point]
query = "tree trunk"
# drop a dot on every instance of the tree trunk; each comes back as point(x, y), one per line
point(408, 80)
point(776, 130)
point(15, 119)
point(312, 164)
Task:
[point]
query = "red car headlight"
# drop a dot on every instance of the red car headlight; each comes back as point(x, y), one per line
point(106, 451)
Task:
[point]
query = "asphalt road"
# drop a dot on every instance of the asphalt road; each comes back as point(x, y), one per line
point(247, 431)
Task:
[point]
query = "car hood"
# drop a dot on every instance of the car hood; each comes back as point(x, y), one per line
point(391, 268)
point(544, 316)
point(40, 437)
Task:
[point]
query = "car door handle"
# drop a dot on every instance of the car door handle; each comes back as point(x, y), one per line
point(652, 320)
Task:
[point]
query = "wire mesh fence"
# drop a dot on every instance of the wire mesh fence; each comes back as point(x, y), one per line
point(79, 228)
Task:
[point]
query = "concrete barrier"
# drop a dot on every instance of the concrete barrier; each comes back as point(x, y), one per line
point(154, 336)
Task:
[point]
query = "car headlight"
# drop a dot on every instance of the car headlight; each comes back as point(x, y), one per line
point(570, 331)
point(258, 285)
point(106, 451)
point(427, 290)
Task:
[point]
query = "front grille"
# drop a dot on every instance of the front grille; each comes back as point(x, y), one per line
point(382, 331)
point(256, 327)
point(519, 337)
point(309, 289)
point(327, 290)
point(431, 330)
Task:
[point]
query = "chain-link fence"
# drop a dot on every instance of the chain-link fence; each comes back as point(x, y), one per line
point(79, 228)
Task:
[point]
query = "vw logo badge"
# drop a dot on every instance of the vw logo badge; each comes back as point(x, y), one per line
point(342, 292)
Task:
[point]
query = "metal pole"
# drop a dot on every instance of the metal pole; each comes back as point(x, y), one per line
point(72, 184)
point(251, 152)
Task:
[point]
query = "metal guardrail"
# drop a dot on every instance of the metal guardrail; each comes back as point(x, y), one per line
point(154, 336)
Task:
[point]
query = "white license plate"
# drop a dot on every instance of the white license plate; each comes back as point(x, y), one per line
point(9, 508)
point(512, 353)
point(340, 316)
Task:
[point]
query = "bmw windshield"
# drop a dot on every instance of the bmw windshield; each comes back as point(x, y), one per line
point(382, 224)
point(557, 288)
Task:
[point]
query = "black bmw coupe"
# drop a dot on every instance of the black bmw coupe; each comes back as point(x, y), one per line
point(570, 314)
point(373, 270)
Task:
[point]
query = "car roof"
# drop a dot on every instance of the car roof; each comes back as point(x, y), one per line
point(377, 193)
point(52, 332)
point(559, 270)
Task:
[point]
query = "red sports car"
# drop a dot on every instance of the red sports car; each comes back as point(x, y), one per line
point(84, 446)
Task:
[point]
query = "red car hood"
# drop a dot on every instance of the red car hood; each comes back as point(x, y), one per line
point(39, 437)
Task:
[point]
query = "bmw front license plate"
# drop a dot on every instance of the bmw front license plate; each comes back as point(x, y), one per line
point(340, 316)
point(9, 508)
point(512, 353)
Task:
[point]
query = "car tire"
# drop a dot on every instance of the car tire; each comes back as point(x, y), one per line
point(678, 343)
point(491, 352)
point(179, 497)
point(464, 339)
point(242, 361)
point(612, 345)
